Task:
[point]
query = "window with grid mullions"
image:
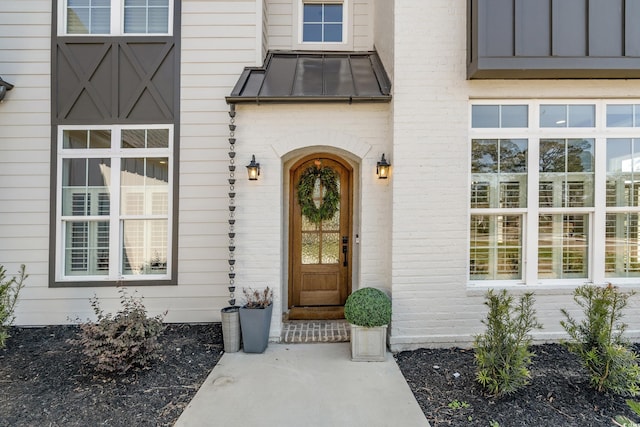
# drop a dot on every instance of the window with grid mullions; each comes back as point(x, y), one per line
point(322, 22)
point(114, 203)
point(542, 192)
point(116, 17)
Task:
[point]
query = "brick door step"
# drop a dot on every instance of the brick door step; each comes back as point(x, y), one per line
point(315, 331)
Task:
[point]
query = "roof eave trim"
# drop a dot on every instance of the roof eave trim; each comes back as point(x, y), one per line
point(301, 99)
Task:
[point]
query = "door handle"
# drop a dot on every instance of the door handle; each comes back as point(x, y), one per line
point(345, 249)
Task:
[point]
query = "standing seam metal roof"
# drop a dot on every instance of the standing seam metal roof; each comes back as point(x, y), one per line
point(294, 76)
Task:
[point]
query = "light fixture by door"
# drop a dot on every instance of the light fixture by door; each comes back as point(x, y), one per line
point(4, 87)
point(382, 168)
point(253, 169)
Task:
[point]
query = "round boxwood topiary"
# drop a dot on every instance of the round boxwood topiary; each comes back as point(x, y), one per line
point(368, 307)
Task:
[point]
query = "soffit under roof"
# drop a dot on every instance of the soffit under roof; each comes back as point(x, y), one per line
point(289, 76)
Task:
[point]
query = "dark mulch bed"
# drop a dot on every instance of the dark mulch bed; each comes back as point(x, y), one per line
point(43, 380)
point(559, 394)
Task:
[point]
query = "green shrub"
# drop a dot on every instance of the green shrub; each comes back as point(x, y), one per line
point(502, 353)
point(9, 290)
point(116, 344)
point(598, 339)
point(368, 307)
point(623, 421)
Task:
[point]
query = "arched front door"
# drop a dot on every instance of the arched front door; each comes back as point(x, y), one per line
point(320, 249)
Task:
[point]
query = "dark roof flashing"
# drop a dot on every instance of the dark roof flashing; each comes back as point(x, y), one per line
point(303, 76)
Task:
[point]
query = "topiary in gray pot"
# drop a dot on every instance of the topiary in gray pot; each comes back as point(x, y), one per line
point(368, 310)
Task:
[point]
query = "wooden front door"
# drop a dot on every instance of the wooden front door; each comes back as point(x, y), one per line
point(320, 249)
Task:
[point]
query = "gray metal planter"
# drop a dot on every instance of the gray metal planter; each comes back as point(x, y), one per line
point(255, 324)
point(230, 329)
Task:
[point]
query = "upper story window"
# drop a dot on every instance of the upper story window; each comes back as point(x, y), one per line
point(322, 22)
point(116, 17)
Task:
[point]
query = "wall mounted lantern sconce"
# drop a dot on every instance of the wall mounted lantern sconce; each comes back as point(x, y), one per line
point(4, 88)
point(253, 169)
point(382, 168)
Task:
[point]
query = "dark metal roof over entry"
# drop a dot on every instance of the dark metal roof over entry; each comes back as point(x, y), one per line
point(314, 77)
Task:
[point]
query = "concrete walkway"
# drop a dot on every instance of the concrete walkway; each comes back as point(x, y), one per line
point(308, 385)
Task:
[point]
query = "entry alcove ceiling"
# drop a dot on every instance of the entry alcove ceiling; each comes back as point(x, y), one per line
point(303, 76)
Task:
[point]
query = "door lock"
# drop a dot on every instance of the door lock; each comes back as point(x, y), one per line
point(345, 249)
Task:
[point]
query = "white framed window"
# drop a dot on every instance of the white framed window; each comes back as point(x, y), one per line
point(323, 24)
point(554, 192)
point(114, 202)
point(115, 17)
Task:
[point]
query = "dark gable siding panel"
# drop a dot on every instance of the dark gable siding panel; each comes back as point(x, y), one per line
point(569, 28)
point(146, 89)
point(83, 85)
point(553, 39)
point(115, 80)
point(497, 23)
point(632, 28)
point(606, 28)
point(533, 28)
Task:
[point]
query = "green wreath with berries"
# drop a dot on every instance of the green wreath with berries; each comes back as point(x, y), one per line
point(331, 199)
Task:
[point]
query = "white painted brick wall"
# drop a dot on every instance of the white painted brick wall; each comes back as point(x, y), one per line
point(273, 133)
point(432, 304)
point(429, 234)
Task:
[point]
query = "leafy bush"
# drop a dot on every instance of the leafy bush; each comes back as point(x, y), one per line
point(116, 344)
point(502, 353)
point(9, 290)
point(623, 421)
point(598, 340)
point(368, 307)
